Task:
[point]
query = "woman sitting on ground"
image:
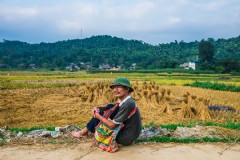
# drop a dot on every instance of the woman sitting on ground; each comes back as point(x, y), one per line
point(121, 89)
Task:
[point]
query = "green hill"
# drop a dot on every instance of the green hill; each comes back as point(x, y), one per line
point(113, 51)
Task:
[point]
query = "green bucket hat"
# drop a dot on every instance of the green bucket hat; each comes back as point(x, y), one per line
point(122, 82)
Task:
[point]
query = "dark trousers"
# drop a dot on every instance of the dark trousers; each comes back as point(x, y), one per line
point(94, 121)
point(121, 137)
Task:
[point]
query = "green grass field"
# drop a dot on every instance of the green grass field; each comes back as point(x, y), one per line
point(35, 79)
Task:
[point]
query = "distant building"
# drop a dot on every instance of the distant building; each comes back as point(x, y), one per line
point(85, 65)
point(22, 66)
point(32, 66)
point(188, 65)
point(133, 66)
point(72, 67)
point(115, 69)
point(105, 67)
point(3, 66)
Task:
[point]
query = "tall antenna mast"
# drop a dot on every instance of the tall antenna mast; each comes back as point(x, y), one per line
point(81, 40)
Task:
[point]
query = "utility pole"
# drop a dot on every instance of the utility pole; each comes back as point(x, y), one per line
point(91, 63)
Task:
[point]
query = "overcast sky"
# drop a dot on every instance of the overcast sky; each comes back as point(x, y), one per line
point(152, 21)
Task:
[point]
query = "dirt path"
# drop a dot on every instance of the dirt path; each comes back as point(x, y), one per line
point(86, 151)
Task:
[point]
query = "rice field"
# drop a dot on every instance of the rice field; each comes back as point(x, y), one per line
point(61, 98)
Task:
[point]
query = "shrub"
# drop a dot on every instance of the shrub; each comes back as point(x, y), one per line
point(215, 86)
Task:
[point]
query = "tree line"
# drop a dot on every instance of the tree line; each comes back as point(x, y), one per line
point(222, 55)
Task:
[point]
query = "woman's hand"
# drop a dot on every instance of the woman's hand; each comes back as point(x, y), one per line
point(97, 115)
point(95, 110)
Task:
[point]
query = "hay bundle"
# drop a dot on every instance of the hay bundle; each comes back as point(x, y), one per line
point(185, 110)
point(166, 107)
point(154, 97)
point(203, 112)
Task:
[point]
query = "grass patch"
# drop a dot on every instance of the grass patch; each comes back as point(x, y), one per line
point(1, 143)
point(215, 86)
point(228, 125)
point(38, 79)
point(27, 130)
point(171, 126)
point(164, 139)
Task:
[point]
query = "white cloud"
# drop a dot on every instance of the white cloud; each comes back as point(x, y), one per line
point(142, 9)
point(17, 13)
point(153, 21)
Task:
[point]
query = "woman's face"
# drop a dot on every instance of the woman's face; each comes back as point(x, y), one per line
point(120, 92)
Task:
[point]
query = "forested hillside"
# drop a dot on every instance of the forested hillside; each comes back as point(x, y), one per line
point(115, 52)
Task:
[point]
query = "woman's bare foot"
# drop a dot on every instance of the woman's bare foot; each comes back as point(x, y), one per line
point(78, 134)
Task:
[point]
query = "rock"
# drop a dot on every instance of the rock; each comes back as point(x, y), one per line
point(45, 134)
point(2, 130)
point(165, 132)
point(183, 132)
point(195, 132)
point(30, 136)
point(151, 131)
point(7, 140)
point(38, 131)
point(8, 134)
point(68, 128)
point(55, 134)
point(19, 135)
point(1, 135)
